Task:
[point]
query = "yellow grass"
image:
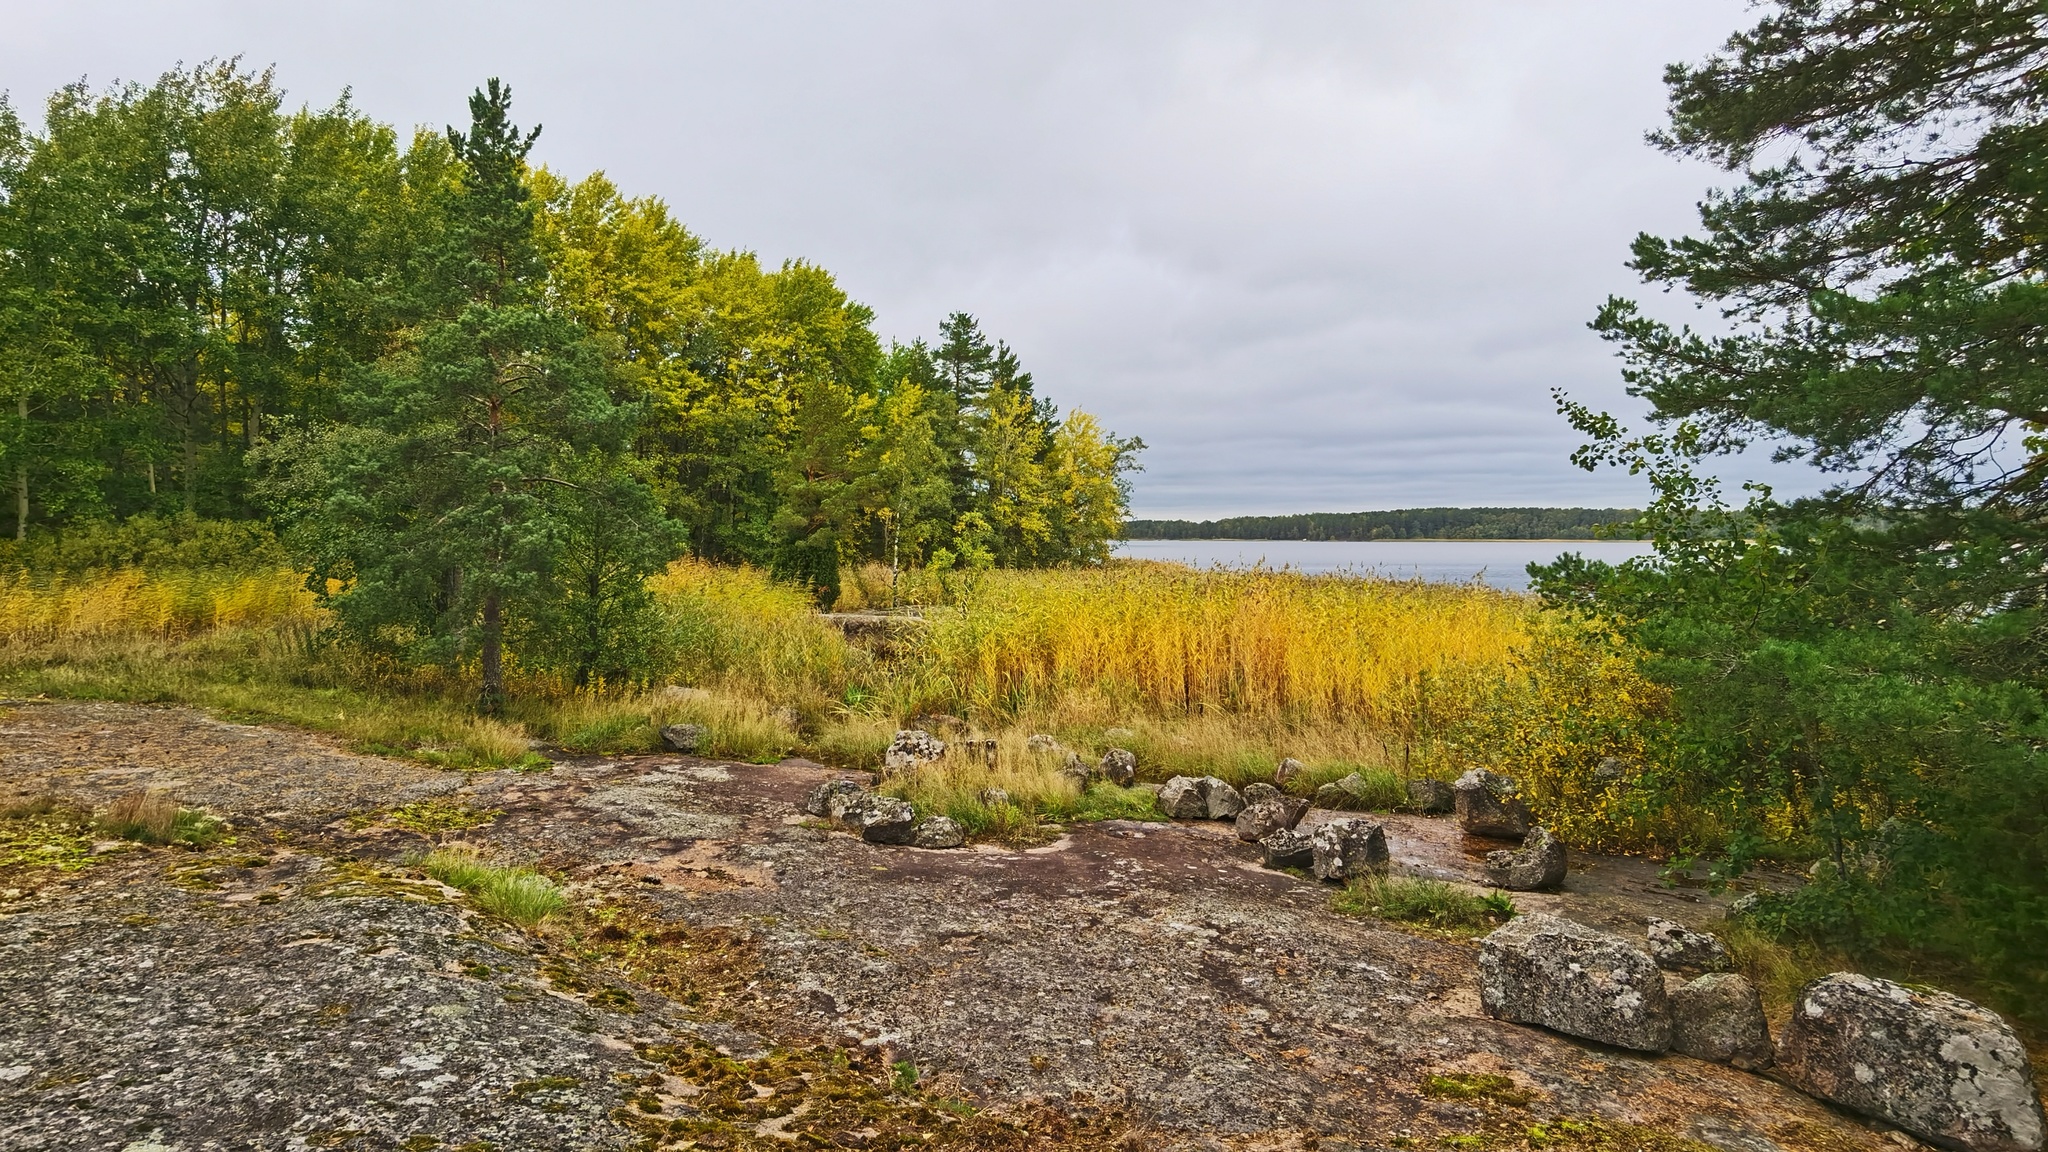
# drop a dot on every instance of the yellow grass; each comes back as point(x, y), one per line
point(128, 601)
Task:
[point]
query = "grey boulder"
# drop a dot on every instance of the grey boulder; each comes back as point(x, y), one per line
point(1181, 798)
point(1288, 848)
point(1043, 743)
point(993, 797)
point(1077, 770)
point(1677, 948)
point(1259, 792)
point(882, 819)
point(1934, 1064)
point(829, 800)
point(1347, 849)
point(1719, 1017)
point(1348, 794)
point(1120, 767)
point(1287, 770)
point(1490, 804)
point(1266, 817)
point(684, 738)
point(938, 832)
point(910, 748)
point(1537, 865)
point(1224, 801)
point(1431, 797)
point(1567, 977)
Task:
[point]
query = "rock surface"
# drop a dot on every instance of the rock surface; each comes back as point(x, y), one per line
point(684, 738)
point(829, 800)
point(1347, 849)
point(882, 819)
point(1431, 797)
point(1570, 978)
point(1677, 948)
point(1120, 767)
point(1537, 866)
point(1041, 742)
point(1345, 795)
point(1934, 1064)
point(1260, 820)
point(1490, 804)
point(1258, 792)
point(1287, 770)
point(1181, 799)
point(911, 748)
point(1224, 801)
point(1720, 1017)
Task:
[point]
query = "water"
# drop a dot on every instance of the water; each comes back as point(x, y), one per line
point(1501, 563)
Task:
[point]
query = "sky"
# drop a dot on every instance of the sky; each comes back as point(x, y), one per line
point(1319, 256)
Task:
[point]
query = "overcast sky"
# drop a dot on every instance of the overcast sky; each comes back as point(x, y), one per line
point(1320, 256)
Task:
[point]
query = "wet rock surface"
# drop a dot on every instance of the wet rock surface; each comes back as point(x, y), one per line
point(1148, 972)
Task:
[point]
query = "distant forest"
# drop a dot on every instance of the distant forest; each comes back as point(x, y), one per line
point(1399, 524)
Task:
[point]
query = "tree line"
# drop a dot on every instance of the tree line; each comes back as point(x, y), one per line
point(1398, 524)
point(483, 397)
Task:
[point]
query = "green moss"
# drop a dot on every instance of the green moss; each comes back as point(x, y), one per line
point(1477, 1086)
point(44, 835)
point(433, 816)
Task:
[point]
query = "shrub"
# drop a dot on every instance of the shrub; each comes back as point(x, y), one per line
point(520, 895)
point(1432, 903)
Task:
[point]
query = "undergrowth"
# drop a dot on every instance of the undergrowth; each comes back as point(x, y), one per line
point(520, 895)
point(1428, 903)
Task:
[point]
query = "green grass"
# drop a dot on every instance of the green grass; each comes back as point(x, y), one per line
point(1429, 903)
point(154, 818)
point(520, 895)
point(1383, 791)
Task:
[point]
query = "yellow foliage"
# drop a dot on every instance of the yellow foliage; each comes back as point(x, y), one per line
point(128, 601)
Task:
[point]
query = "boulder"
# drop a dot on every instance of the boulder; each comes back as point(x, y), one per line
point(938, 832)
point(829, 800)
point(1431, 797)
point(1287, 771)
point(1346, 849)
point(1288, 849)
point(1934, 1064)
point(1677, 948)
point(1260, 792)
point(1490, 804)
point(1570, 978)
point(1044, 743)
point(882, 819)
point(684, 738)
point(1719, 1017)
point(1181, 799)
point(1120, 767)
point(1224, 801)
point(1262, 819)
point(1077, 770)
point(1348, 794)
point(1536, 865)
point(910, 748)
point(993, 797)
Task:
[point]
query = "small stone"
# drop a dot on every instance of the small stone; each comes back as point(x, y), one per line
point(1347, 849)
point(1346, 795)
point(1181, 799)
point(993, 797)
point(1677, 948)
point(1431, 797)
point(1259, 792)
point(1538, 864)
point(684, 738)
point(1287, 771)
point(1040, 742)
point(1262, 819)
point(1490, 804)
point(1720, 1017)
point(882, 819)
point(1570, 978)
point(1940, 1067)
point(910, 748)
point(829, 800)
point(1077, 770)
point(1120, 767)
point(938, 832)
point(1288, 849)
point(1746, 904)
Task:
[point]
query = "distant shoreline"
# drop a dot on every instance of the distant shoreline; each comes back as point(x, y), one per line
point(1447, 524)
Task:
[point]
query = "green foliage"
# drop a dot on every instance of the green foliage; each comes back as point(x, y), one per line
point(154, 543)
point(1861, 673)
point(154, 818)
point(1431, 903)
point(520, 895)
point(1399, 524)
point(1476, 1086)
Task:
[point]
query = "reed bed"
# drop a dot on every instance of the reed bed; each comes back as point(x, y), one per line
point(129, 601)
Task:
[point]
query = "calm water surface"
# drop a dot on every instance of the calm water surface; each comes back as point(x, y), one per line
point(1500, 563)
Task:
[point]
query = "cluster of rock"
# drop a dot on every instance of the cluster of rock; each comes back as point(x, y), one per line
point(1263, 815)
point(911, 749)
point(1937, 1066)
point(1489, 804)
point(881, 819)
